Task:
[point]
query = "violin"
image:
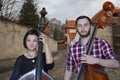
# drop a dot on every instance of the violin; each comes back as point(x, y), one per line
point(96, 72)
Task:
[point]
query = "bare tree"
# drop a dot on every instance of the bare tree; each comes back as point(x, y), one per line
point(10, 8)
point(0, 4)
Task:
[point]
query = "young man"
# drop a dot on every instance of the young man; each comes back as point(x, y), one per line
point(101, 52)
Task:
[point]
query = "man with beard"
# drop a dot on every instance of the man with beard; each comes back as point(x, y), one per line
point(101, 53)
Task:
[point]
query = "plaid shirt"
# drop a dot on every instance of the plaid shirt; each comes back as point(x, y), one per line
point(100, 49)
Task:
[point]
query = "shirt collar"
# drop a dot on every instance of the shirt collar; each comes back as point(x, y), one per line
point(86, 43)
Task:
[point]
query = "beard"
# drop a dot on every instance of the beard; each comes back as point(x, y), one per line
point(85, 35)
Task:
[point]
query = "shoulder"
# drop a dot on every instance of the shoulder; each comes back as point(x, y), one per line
point(75, 44)
point(102, 42)
point(20, 58)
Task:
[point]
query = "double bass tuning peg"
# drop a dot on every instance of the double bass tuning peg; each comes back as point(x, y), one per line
point(108, 6)
point(109, 9)
point(43, 12)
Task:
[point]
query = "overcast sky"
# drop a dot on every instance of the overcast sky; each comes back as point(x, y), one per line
point(70, 9)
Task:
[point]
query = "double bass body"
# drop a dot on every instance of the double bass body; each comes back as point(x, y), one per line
point(95, 72)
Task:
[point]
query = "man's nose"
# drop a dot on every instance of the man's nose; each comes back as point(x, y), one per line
point(83, 28)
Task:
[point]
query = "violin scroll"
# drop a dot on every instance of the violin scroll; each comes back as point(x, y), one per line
point(109, 9)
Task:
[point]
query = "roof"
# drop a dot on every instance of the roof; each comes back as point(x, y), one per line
point(70, 24)
point(111, 20)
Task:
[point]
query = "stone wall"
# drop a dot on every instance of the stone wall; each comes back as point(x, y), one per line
point(106, 34)
point(11, 43)
point(11, 36)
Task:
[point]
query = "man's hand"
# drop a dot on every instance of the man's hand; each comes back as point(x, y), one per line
point(88, 59)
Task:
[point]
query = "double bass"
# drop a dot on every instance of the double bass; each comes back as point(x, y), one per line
point(96, 72)
point(38, 73)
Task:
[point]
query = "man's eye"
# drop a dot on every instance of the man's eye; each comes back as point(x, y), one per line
point(86, 24)
point(79, 25)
